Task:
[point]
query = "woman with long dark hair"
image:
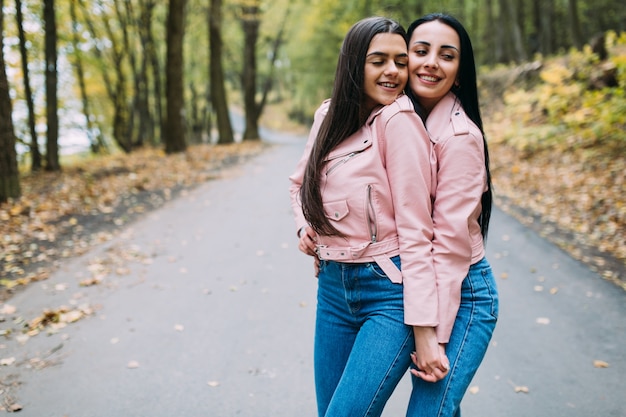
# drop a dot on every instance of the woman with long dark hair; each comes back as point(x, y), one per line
point(361, 200)
point(442, 84)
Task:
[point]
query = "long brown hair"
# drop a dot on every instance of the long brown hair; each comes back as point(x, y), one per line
point(345, 115)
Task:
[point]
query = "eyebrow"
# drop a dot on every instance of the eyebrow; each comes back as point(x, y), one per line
point(442, 46)
point(377, 53)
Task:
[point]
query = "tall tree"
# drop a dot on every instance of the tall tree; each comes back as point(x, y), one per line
point(28, 94)
point(251, 18)
point(489, 54)
point(147, 126)
point(52, 117)
point(543, 17)
point(218, 89)
point(113, 72)
point(574, 23)
point(510, 11)
point(174, 132)
point(9, 174)
point(250, 21)
point(94, 134)
point(153, 58)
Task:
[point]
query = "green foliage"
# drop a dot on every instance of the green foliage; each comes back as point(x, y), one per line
point(573, 107)
point(305, 67)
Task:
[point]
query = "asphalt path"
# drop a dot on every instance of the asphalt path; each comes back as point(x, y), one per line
point(207, 309)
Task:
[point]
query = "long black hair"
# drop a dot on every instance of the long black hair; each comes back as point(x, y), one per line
point(467, 93)
point(346, 113)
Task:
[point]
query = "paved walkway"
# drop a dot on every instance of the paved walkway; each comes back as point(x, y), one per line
point(212, 314)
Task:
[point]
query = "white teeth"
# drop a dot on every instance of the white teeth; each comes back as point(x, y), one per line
point(428, 78)
point(389, 85)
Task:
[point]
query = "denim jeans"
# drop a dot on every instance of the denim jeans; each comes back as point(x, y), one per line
point(362, 346)
point(466, 349)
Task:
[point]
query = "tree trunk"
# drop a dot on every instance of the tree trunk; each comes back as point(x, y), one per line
point(155, 73)
point(9, 173)
point(574, 24)
point(144, 25)
point(500, 38)
point(545, 12)
point(136, 132)
point(508, 7)
point(194, 119)
point(52, 117)
point(218, 89)
point(490, 56)
point(275, 49)
point(28, 94)
point(250, 23)
point(174, 134)
point(115, 86)
point(94, 134)
point(119, 93)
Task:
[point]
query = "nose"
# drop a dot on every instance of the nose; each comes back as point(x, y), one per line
point(431, 61)
point(392, 68)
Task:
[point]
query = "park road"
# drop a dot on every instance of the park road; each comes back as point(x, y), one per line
point(210, 307)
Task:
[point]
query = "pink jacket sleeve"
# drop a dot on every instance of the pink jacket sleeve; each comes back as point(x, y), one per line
point(461, 181)
point(406, 157)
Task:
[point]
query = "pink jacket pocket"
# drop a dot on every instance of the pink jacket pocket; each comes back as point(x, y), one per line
point(336, 210)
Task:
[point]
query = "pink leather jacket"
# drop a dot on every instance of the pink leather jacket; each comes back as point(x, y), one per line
point(460, 180)
point(377, 191)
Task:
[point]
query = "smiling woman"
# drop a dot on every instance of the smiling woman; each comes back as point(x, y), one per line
point(358, 199)
point(442, 83)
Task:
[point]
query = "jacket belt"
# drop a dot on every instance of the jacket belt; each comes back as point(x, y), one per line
point(379, 252)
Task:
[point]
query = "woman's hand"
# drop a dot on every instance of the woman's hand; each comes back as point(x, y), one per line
point(307, 246)
point(307, 241)
point(430, 356)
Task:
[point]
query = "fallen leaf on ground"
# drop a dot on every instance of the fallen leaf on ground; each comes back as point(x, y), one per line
point(14, 408)
point(90, 282)
point(600, 364)
point(7, 361)
point(8, 309)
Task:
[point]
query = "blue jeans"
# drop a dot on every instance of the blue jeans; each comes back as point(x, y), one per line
point(466, 349)
point(362, 345)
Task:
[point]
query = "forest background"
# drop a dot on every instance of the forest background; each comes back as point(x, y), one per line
point(108, 108)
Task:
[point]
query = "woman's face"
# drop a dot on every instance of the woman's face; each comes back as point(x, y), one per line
point(434, 59)
point(385, 69)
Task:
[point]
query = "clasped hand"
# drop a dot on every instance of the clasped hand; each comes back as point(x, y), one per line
point(430, 356)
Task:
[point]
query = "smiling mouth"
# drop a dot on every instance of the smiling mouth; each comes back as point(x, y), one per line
point(389, 85)
point(429, 78)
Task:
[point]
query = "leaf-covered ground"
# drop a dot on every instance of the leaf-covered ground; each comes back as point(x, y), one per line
point(575, 202)
point(556, 131)
point(64, 214)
